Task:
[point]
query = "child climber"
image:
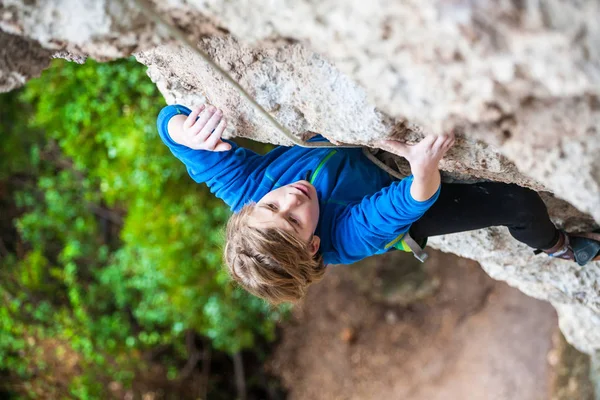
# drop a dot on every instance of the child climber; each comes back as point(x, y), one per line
point(298, 209)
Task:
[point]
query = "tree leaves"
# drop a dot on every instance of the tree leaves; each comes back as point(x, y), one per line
point(120, 249)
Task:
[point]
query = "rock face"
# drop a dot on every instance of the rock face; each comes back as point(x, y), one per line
point(517, 79)
point(20, 60)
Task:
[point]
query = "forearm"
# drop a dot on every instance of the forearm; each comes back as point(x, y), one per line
point(425, 184)
point(388, 211)
point(375, 223)
point(175, 127)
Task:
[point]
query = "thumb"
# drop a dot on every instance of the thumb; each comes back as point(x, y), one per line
point(222, 146)
point(394, 146)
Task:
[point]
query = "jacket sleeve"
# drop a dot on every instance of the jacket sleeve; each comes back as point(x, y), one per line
point(372, 225)
point(228, 174)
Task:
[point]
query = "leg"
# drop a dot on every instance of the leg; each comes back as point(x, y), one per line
point(465, 207)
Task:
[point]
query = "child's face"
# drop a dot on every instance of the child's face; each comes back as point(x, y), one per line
point(293, 208)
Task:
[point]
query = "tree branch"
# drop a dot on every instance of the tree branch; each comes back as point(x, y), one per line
point(240, 380)
point(106, 214)
point(3, 250)
point(205, 372)
point(194, 355)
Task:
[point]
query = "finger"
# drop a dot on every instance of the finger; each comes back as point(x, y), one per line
point(427, 142)
point(393, 146)
point(448, 143)
point(446, 146)
point(193, 115)
point(445, 138)
point(215, 137)
point(222, 146)
point(202, 121)
point(437, 142)
point(211, 125)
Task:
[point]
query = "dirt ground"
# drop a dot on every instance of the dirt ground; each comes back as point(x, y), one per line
point(469, 338)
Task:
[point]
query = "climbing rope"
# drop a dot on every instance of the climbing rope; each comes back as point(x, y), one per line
point(146, 7)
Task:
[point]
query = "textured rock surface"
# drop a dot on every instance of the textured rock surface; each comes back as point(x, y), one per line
point(101, 29)
point(20, 60)
point(519, 80)
point(305, 93)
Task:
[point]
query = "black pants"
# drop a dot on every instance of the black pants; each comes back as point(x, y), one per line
point(465, 207)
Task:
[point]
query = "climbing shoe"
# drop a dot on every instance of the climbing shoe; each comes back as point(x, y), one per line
point(579, 247)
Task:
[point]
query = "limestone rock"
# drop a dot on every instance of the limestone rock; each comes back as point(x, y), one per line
point(306, 94)
point(102, 29)
point(20, 60)
point(518, 80)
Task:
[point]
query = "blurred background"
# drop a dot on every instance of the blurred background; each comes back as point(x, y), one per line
point(111, 283)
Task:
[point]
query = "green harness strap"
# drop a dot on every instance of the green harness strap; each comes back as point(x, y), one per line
point(320, 166)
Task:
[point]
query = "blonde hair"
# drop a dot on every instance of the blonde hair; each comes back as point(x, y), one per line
point(269, 263)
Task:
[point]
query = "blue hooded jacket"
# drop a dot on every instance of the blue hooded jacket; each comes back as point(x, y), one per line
point(363, 211)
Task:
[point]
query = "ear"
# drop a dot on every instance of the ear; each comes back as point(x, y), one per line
point(313, 246)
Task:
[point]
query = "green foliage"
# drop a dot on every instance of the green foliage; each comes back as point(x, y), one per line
point(116, 250)
point(103, 118)
point(18, 151)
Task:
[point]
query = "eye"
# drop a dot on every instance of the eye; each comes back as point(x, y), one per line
point(272, 206)
point(294, 221)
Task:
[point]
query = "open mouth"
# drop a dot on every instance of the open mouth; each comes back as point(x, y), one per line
point(302, 188)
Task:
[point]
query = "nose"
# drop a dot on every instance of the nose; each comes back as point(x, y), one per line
point(290, 201)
